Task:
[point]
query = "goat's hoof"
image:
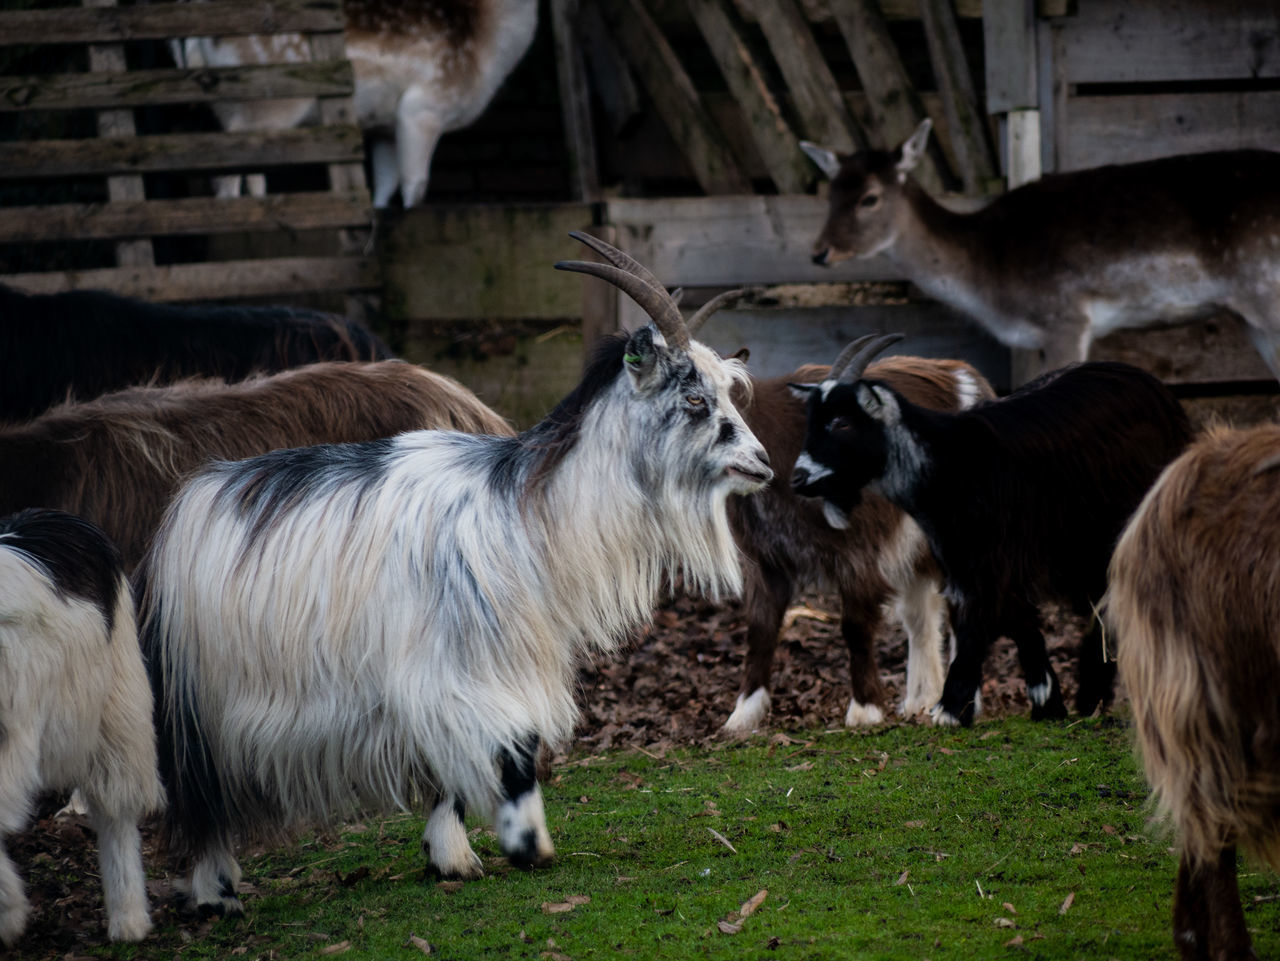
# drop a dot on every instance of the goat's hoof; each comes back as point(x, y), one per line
point(222, 908)
point(862, 715)
point(133, 928)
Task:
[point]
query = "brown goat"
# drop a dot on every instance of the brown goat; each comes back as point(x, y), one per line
point(880, 556)
point(116, 460)
point(1194, 601)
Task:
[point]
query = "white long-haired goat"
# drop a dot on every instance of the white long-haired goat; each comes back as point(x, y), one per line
point(393, 623)
point(76, 709)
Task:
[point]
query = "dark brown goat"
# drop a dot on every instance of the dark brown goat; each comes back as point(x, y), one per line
point(1194, 601)
point(116, 460)
point(881, 555)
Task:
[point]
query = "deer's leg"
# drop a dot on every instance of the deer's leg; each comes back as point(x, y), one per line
point(766, 594)
point(418, 130)
point(386, 172)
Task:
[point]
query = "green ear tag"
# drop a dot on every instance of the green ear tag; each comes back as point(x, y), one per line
point(631, 358)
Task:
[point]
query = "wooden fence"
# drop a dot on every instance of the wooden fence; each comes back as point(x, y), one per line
point(138, 193)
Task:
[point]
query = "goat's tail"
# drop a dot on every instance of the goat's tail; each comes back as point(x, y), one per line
point(1194, 608)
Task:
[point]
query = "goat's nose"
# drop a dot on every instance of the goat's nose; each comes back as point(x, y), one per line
point(820, 256)
point(799, 478)
point(763, 455)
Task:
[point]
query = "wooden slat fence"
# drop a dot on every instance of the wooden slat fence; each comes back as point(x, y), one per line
point(330, 204)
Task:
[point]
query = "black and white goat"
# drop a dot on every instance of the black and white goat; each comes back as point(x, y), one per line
point(876, 555)
point(1194, 602)
point(1021, 499)
point(76, 709)
point(395, 623)
point(82, 343)
point(117, 459)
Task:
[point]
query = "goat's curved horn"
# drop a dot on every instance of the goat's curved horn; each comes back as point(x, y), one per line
point(619, 258)
point(719, 302)
point(853, 360)
point(653, 301)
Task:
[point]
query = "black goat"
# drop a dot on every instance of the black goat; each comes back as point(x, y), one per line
point(1021, 499)
point(81, 343)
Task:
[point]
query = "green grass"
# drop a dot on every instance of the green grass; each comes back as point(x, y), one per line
point(1008, 840)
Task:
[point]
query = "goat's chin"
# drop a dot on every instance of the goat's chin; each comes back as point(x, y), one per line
point(741, 481)
point(835, 516)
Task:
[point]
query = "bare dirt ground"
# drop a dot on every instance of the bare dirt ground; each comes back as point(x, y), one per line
point(672, 685)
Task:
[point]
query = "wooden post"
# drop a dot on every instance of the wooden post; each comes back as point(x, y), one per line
point(575, 101)
point(778, 146)
point(824, 116)
point(966, 123)
point(109, 57)
point(675, 98)
point(895, 106)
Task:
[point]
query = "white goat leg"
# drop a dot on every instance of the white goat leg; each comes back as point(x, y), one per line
point(445, 840)
point(749, 713)
point(124, 885)
point(921, 609)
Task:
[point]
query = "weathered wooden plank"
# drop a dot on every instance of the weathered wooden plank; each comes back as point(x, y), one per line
point(1142, 40)
point(140, 88)
point(895, 105)
point(778, 146)
point(575, 100)
point(208, 281)
point(1210, 352)
point(824, 117)
point(782, 339)
point(675, 98)
point(194, 151)
point(218, 18)
point(671, 12)
point(484, 262)
point(185, 216)
point(970, 143)
point(1008, 38)
point(1098, 130)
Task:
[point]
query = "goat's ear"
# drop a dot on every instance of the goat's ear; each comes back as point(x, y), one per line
point(878, 403)
point(742, 353)
point(826, 159)
point(801, 392)
point(641, 355)
point(912, 149)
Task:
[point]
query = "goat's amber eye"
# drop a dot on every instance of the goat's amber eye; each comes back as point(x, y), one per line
point(695, 400)
point(869, 200)
point(839, 423)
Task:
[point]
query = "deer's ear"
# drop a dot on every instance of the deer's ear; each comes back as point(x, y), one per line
point(826, 160)
point(912, 149)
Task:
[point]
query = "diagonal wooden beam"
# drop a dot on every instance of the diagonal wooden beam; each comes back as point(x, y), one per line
point(778, 146)
point(675, 97)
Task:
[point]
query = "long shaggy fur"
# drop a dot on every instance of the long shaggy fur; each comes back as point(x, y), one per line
point(81, 343)
point(371, 625)
point(879, 556)
point(116, 460)
point(1194, 601)
point(76, 710)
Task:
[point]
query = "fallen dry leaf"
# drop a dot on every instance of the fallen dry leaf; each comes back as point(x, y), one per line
point(1005, 923)
point(1066, 905)
point(1009, 907)
point(1014, 942)
point(420, 943)
point(448, 887)
point(750, 905)
point(729, 927)
point(336, 948)
point(902, 878)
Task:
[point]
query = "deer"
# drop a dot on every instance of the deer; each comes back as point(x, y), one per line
point(422, 68)
point(1054, 264)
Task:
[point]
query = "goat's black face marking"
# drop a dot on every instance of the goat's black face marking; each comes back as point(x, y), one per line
point(844, 448)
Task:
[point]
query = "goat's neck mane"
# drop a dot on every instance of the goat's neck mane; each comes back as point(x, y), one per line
point(555, 435)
